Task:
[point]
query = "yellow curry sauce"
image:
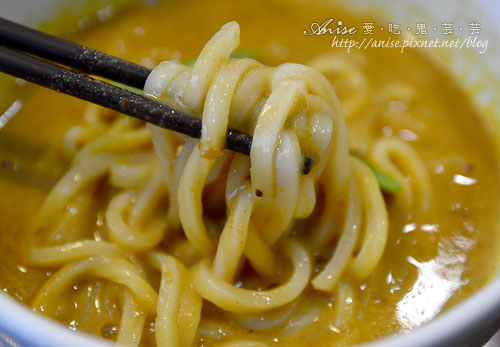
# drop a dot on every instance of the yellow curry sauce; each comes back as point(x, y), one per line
point(429, 264)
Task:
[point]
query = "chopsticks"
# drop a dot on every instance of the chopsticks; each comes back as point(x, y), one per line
point(71, 54)
point(15, 38)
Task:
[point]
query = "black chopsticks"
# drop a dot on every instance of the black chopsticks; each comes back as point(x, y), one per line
point(71, 54)
point(107, 95)
point(15, 38)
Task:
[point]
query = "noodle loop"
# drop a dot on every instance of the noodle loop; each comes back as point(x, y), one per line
point(181, 223)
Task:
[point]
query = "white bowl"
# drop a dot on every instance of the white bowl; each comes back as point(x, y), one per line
point(471, 322)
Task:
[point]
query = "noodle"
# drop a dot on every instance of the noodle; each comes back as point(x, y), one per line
point(253, 261)
point(400, 160)
point(345, 73)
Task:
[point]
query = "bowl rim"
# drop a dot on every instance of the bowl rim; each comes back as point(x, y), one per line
point(460, 323)
point(21, 326)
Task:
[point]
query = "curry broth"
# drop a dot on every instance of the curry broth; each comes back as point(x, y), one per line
point(430, 262)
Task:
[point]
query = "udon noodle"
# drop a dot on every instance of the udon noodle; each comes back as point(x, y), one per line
point(187, 224)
